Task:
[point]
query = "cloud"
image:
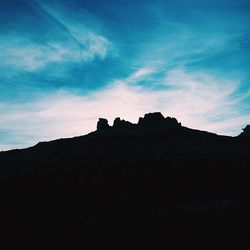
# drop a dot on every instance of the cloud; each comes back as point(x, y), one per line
point(25, 55)
point(66, 41)
point(140, 74)
point(198, 100)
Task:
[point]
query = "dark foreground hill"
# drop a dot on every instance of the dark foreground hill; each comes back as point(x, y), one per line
point(150, 172)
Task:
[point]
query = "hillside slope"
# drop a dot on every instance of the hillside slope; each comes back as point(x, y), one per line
point(127, 173)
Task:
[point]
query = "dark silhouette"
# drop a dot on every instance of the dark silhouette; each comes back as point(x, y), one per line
point(150, 172)
point(122, 124)
point(102, 124)
point(246, 131)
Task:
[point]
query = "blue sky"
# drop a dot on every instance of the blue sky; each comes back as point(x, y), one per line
point(63, 64)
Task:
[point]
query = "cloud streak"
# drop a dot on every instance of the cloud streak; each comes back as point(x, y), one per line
point(66, 42)
point(25, 55)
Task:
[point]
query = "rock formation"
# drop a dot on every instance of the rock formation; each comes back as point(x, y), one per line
point(157, 120)
point(102, 124)
point(118, 123)
point(150, 121)
point(246, 131)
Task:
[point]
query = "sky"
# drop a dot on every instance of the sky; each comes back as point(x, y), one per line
point(64, 64)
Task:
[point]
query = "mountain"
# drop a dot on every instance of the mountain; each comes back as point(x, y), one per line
point(149, 172)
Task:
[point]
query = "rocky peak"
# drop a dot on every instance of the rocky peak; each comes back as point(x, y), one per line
point(246, 131)
point(150, 120)
point(102, 124)
point(157, 120)
point(118, 123)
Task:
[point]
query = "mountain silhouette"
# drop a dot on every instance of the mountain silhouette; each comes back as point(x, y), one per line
point(152, 171)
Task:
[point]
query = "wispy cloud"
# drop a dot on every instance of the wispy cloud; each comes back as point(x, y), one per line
point(25, 55)
point(140, 74)
point(67, 42)
point(90, 43)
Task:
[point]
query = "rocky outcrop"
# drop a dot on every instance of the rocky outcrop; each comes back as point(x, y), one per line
point(157, 120)
point(150, 121)
point(246, 131)
point(122, 124)
point(102, 124)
